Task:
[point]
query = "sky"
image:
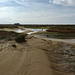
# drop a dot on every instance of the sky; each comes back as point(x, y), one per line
point(37, 11)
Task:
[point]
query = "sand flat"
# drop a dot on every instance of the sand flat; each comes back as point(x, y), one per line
point(28, 58)
point(24, 60)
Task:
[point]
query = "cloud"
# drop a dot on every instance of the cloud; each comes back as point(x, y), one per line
point(22, 2)
point(63, 2)
point(31, 2)
point(26, 3)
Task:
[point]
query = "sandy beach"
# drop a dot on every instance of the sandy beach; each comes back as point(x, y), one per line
point(35, 57)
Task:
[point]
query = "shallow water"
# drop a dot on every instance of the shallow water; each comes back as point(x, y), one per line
point(72, 41)
point(19, 31)
point(55, 37)
point(33, 30)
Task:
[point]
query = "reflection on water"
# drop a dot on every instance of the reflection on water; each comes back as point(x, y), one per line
point(19, 31)
point(35, 30)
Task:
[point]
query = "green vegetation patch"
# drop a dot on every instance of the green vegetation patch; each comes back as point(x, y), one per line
point(21, 38)
point(63, 29)
point(7, 35)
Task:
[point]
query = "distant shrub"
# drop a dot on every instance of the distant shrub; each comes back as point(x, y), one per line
point(21, 38)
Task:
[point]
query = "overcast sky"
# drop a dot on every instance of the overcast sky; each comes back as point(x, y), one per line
point(37, 11)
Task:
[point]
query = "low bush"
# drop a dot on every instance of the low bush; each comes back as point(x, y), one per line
point(14, 46)
point(21, 38)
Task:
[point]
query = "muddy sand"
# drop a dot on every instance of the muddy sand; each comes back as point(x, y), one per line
point(37, 57)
